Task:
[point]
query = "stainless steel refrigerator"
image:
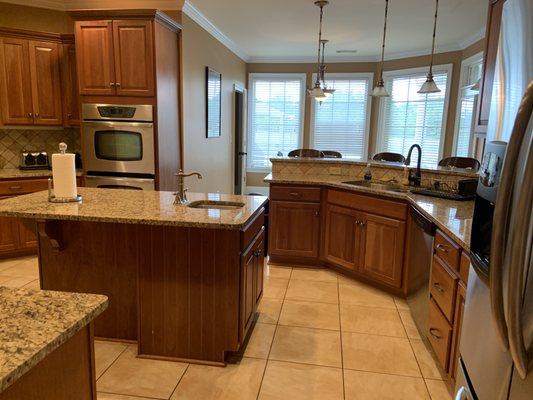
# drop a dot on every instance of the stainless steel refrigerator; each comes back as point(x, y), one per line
point(496, 349)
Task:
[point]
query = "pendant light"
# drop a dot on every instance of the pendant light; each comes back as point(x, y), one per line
point(429, 86)
point(327, 92)
point(316, 92)
point(379, 90)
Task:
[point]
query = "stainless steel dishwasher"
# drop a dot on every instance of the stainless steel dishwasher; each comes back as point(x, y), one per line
point(419, 256)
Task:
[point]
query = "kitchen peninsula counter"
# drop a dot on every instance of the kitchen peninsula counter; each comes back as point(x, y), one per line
point(183, 283)
point(452, 217)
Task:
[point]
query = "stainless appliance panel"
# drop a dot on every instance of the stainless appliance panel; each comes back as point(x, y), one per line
point(117, 112)
point(112, 182)
point(94, 163)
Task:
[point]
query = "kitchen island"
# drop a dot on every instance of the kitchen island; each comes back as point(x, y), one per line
point(182, 282)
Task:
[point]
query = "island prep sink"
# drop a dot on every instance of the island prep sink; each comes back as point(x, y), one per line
point(393, 187)
point(221, 205)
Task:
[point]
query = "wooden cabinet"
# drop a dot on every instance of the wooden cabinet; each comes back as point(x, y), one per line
point(295, 229)
point(9, 239)
point(458, 323)
point(30, 80)
point(342, 237)
point(69, 79)
point(439, 334)
point(115, 58)
point(383, 248)
point(492, 36)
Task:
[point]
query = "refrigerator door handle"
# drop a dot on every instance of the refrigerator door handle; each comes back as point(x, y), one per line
point(501, 213)
point(463, 394)
point(520, 259)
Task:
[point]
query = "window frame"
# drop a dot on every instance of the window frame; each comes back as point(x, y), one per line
point(347, 75)
point(465, 66)
point(253, 76)
point(388, 75)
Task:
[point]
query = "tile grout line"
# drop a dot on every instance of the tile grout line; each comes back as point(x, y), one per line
point(179, 381)
point(129, 395)
point(114, 361)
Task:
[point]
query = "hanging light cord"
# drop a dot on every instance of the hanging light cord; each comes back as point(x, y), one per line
point(383, 44)
point(323, 64)
point(434, 34)
point(321, 5)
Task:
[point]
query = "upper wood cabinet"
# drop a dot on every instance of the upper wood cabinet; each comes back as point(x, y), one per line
point(30, 79)
point(492, 37)
point(71, 94)
point(115, 58)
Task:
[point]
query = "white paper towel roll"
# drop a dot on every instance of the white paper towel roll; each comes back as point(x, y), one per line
point(64, 175)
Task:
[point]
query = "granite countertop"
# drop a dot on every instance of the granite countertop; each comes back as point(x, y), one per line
point(15, 173)
point(452, 217)
point(33, 323)
point(467, 173)
point(135, 207)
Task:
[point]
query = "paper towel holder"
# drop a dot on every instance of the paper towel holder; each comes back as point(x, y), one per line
point(54, 199)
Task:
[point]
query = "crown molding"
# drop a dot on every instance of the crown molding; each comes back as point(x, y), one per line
point(65, 5)
point(472, 39)
point(50, 4)
point(192, 12)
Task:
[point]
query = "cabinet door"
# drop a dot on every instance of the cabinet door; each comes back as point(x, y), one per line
point(492, 37)
point(45, 83)
point(134, 57)
point(294, 229)
point(69, 80)
point(458, 323)
point(260, 265)
point(15, 83)
point(94, 54)
point(9, 236)
point(383, 247)
point(27, 234)
point(342, 237)
point(248, 267)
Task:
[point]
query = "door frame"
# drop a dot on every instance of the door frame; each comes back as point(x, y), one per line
point(239, 88)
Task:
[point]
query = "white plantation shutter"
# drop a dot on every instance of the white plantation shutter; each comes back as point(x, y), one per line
point(341, 122)
point(275, 117)
point(408, 117)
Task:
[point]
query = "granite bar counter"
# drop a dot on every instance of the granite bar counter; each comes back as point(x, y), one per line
point(16, 173)
point(45, 337)
point(174, 274)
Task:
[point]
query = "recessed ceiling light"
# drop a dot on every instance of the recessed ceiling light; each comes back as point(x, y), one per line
point(346, 51)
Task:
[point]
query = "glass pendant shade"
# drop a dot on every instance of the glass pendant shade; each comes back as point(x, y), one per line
point(329, 92)
point(379, 90)
point(429, 86)
point(316, 93)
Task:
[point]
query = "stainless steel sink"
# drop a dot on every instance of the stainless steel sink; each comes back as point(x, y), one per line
point(221, 205)
point(392, 187)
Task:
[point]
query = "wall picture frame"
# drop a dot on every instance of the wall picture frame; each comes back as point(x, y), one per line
point(213, 103)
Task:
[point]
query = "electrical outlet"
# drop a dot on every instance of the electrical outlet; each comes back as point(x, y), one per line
point(335, 171)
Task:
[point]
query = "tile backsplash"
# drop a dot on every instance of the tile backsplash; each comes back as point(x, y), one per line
point(14, 141)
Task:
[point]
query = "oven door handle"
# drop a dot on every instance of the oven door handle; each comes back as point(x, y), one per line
point(117, 124)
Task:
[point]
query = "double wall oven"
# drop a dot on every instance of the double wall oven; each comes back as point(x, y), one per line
point(118, 143)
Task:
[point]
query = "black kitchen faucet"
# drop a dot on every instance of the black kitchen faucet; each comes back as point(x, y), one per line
point(417, 177)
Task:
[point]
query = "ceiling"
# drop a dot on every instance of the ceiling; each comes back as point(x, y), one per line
point(286, 30)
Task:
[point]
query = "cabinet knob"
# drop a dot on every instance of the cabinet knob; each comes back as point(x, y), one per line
point(442, 248)
point(438, 286)
point(36, 115)
point(434, 332)
point(112, 84)
point(69, 116)
point(118, 84)
point(30, 115)
point(317, 213)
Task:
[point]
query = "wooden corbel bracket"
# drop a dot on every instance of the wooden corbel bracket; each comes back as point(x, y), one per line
point(50, 231)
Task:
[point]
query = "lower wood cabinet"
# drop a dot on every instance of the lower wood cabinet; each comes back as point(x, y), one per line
point(342, 238)
point(456, 338)
point(439, 334)
point(294, 230)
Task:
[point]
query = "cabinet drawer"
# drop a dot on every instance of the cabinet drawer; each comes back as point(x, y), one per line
point(16, 187)
point(443, 286)
point(295, 193)
point(439, 334)
point(370, 204)
point(464, 267)
point(447, 250)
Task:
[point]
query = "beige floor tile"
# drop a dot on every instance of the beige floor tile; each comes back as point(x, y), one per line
point(134, 376)
point(381, 354)
point(4, 278)
point(376, 321)
point(401, 304)
point(438, 390)
point(310, 315)
point(28, 268)
point(260, 341)
point(109, 396)
point(269, 310)
point(409, 324)
point(10, 262)
point(17, 282)
point(33, 285)
point(363, 295)
point(325, 292)
point(428, 366)
point(285, 380)
point(308, 274)
point(275, 288)
point(234, 382)
point(105, 354)
point(361, 385)
point(275, 271)
point(306, 345)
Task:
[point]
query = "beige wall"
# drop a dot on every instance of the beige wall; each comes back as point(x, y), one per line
point(35, 19)
point(454, 58)
point(212, 157)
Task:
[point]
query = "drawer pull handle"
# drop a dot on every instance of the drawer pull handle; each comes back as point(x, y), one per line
point(442, 248)
point(317, 213)
point(15, 187)
point(295, 194)
point(438, 286)
point(432, 333)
